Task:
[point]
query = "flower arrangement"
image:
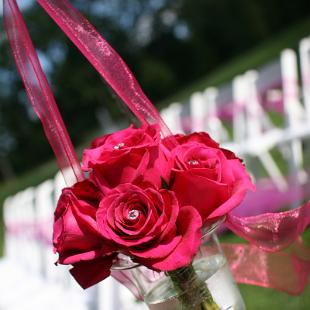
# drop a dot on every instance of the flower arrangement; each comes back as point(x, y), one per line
point(148, 196)
point(145, 200)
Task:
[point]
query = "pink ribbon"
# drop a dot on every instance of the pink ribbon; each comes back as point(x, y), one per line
point(104, 59)
point(287, 271)
point(270, 231)
point(39, 92)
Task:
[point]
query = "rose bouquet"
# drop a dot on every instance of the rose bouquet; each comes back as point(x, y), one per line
point(149, 202)
point(145, 196)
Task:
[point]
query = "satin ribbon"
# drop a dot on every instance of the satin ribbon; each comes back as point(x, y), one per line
point(39, 93)
point(287, 271)
point(104, 59)
point(270, 232)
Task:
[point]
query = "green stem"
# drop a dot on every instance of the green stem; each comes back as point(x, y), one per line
point(193, 292)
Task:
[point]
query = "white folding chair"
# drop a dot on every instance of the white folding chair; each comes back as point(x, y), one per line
point(198, 112)
point(258, 125)
point(204, 114)
point(172, 116)
point(278, 77)
point(45, 205)
point(223, 110)
point(23, 280)
point(59, 184)
point(9, 217)
point(304, 53)
point(294, 112)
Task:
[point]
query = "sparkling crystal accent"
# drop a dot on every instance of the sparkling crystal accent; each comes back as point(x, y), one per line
point(193, 162)
point(118, 146)
point(133, 214)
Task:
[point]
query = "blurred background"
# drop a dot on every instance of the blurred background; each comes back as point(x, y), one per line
point(200, 62)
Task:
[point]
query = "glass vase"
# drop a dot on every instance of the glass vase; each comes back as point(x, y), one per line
point(205, 284)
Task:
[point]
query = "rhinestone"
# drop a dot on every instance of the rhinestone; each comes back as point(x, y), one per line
point(118, 146)
point(193, 162)
point(133, 214)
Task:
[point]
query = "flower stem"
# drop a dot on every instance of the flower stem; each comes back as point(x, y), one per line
point(193, 292)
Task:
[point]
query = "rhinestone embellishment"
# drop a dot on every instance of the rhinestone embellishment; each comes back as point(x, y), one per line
point(133, 214)
point(193, 162)
point(118, 146)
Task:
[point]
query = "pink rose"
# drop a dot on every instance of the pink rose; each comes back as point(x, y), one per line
point(76, 238)
point(127, 156)
point(148, 225)
point(211, 179)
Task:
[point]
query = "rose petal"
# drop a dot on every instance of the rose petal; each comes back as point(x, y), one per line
point(203, 194)
point(189, 227)
point(73, 257)
point(156, 251)
point(73, 232)
point(241, 185)
point(75, 235)
point(200, 137)
point(88, 273)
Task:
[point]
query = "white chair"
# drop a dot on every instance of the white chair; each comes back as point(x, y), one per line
point(258, 125)
point(198, 112)
point(280, 76)
point(23, 257)
point(59, 184)
point(45, 205)
point(172, 116)
point(294, 112)
point(304, 53)
point(204, 114)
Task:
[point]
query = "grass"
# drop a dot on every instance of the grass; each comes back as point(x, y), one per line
point(257, 298)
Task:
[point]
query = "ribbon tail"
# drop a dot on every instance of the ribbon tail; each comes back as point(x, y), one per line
point(286, 271)
point(271, 231)
point(39, 92)
point(276, 256)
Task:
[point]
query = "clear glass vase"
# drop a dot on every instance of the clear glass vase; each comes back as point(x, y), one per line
point(206, 284)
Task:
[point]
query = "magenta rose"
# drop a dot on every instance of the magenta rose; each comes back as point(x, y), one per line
point(128, 156)
point(76, 238)
point(211, 179)
point(148, 225)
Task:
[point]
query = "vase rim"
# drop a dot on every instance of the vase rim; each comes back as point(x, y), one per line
point(127, 264)
point(209, 228)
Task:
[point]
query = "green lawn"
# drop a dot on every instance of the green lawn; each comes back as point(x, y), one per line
point(257, 298)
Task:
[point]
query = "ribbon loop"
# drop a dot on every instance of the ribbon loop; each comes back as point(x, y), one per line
point(104, 59)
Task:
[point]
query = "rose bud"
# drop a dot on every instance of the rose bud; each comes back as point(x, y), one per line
point(127, 156)
point(211, 179)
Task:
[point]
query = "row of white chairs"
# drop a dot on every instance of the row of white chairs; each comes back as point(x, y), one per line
point(237, 114)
